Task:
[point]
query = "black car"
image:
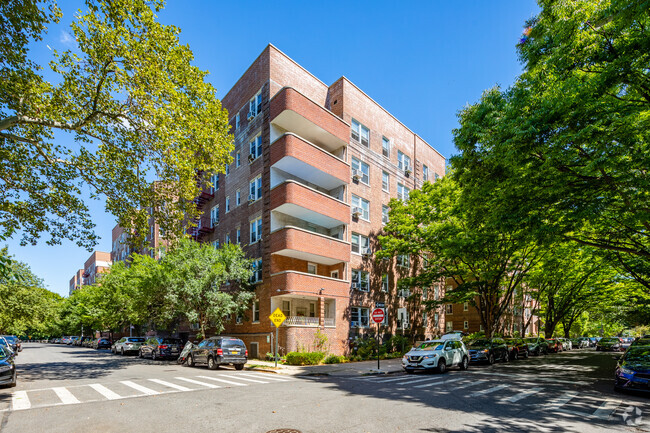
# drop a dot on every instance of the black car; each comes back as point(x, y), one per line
point(537, 345)
point(610, 343)
point(14, 342)
point(216, 351)
point(488, 350)
point(7, 367)
point(641, 341)
point(161, 347)
point(517, 347)
point(633, 370)
point(102, 343)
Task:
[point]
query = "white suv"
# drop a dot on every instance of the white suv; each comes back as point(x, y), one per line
point(438, 355)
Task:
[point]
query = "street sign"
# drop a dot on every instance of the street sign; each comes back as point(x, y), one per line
point(277, 317)
point(379, 305)
point(378, 315)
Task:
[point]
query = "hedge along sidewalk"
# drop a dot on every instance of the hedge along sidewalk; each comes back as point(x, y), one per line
point(388, 366)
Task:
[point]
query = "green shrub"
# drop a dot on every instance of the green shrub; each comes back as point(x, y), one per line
point(334, 359)
point(398, 343)
point(304, 358)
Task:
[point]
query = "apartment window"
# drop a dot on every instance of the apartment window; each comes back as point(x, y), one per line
point(385, 181)
point(449, 309)
point(402, 192)
point(255, 189)
point(449, 326)
point(360, 243)
point(480, 327)
point(237, 159)
point(403, 260)
point(384, 283)
point(255, 105)
point(238, 197)
point(385, 147)
point(360, 169)
point(425, 293)
point(256, 230)
point(425, 173)
point(465, 324)
point(237, 121)
point(286, 308)
point(384, 214)
point(257, 271)
point(334, 274)
point(360, 280)
point(238, 236)
point(256, 311)
point(424, 318)
point(227, 204)
point(403, 161)
point(465, 306)
point(214, 216)
point(362, 206)
point(227, 240)
point(214, 180)
point(403, 293)
point(435, 176)
point(255, 148)
point(227, 169)
point(359, 317)
point(312, 268)
point(360, 133)
point(402, 318)
point(215, 244)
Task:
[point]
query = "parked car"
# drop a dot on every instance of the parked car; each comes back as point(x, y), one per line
point(555, 345)
point(127, 345)
point(537, 345)
point(488, 350)
point(633, 370)
point(627, 342)
point(215, 351)
point(641, 341)
point(7, 367)
point(517, 347)
point(102, 343)
point(593, 341)
point(436, 355)
point(583, 342)
point(7, 346)
point(610, 343)
point(14, 342)
point(71, 340)
point(161, 347)
point(566, 343)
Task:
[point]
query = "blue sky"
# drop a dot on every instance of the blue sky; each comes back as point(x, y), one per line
point(422, 60)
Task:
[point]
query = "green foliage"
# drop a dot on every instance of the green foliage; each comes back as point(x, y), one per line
point(304, 358)
point(398, 343)
point(335, 359)
point(474, 336)
point(321, 343)
point(125, 105)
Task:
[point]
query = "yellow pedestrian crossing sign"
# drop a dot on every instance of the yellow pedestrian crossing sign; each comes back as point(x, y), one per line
point(277, 317)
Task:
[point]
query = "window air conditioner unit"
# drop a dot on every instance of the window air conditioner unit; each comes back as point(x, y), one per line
point(406, 325)
point(355, 285)
point(354, 324)
point(384, 219)
point(366, 251)
point(407, 170)
point(251, 157)
point(251, 115)
point(356, 174)
point(356, 212)
point(251, 197)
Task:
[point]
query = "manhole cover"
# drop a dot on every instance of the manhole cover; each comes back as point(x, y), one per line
point(284, 430)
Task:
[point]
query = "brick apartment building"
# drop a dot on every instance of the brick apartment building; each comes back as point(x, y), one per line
point(98, 263)
point(76, 281)
point(315, 166)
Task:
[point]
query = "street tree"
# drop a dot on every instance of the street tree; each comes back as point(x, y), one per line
point(122, 106)
point(566, 150)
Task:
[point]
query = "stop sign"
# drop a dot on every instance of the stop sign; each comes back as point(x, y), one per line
point(378, 315)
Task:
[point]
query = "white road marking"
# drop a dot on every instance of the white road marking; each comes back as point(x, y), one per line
point(467, 385)
point(171, 385)
point(392, 379)
point(223, 380)
point(607, 409)
point(243, 378)
point(522, 395)
point(419, 380)
point(561, 400)
point(265, 376)
point(142, 389)
point(20, 401)
point(105, 391)
point(65, 395)
point(438, 383)
point(488, 390)
point(534, 378)
point(198, 382)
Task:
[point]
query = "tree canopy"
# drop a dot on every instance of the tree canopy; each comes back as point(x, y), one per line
point(122, 107)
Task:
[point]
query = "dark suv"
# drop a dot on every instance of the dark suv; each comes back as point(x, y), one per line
point(215, 351)
point(161, 347)
point(517, 347)
point(102, 343)
point(488, 350)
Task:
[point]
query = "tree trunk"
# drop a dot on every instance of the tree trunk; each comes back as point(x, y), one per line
point(549, 329)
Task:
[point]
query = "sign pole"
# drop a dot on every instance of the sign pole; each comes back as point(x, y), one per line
point(378, 325)
point(277, 317)
point(276, 346)
point(378, 315)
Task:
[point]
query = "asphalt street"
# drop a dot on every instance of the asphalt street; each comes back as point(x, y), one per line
point(73, 389)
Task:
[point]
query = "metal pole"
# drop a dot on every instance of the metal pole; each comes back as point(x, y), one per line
point(378, 368)
point(276, 347)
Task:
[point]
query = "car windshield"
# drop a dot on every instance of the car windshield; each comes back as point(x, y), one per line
point(3, 352)
point(531, 340)
point(640, 355)
point(136, 339)
point(609, 340)
point(432, 345)
point(480, 343)
point(10, 339)
point(232, 343)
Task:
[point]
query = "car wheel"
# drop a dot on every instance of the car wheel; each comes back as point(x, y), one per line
point(490, 359)
point(515, 355)
point(154, 357)
point(442, 366)
point(211, 364)
point(526, 355)
point(464, 363)
point(122, 351)
point(140, 354)
point(190, 361)
point(239, 366)
point(506, 357)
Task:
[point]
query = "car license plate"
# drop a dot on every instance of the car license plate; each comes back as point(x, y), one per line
point(234, 352)
point(174, 350)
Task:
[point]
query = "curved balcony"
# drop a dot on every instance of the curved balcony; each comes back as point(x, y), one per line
point(305, 245)
point(294, 112)
point(294, 282)
point(308, 204)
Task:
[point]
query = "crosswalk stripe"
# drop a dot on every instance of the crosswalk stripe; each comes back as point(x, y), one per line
point(477, 382)
point(224, 381)
point(105, 391)
point(65, 395)
point(561, 400)
point(522, 395)
point(391, 380)
point(606, 409)
point(488, 391)
point(265, 376)
point(142, 389)
point(171, 385)
point(243, 378)
point(437, 383)
point(198, 382)
point(419, 380)
point(20, 401)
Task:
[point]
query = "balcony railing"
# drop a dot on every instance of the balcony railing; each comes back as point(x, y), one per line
point(301, 321)
point(329, 321)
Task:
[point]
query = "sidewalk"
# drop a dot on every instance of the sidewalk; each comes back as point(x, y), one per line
point(346, 369)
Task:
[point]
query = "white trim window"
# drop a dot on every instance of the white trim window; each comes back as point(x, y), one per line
point(255, 148)
point(238, 197)
point(237, 121)
point(360, 243)
point(360, 280)
point(238, 238)
point(312, 268)
point(449, 326)
point(385, 147)
point(384, 283)
point(403, 260)
point(362, 170)
point(403, 161)
point(256, 311)
point(363, 204)
point(424, 318)
point(257, 271)
point(359, 317)
point(449, 309)
point(256, 230)
point(227, 169)
point(385, 181)
point(238, 159)
point(227, 204)
point(255, 190)
point(227, 239)
point(360, 133)
point(214, 180)
point(465, 324)
point(402, 192)
point(214, 216)
point(384, 214)
point(255, 105)
point(215, 244)
point(425, 173)
point(465, 306)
